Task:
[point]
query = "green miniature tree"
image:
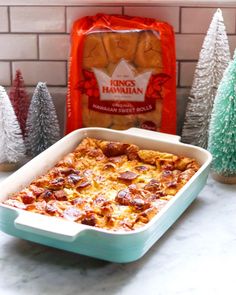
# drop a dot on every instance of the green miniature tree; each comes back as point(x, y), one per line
point(222, 132)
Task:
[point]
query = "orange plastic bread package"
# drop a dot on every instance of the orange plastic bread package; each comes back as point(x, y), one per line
point(122, 74)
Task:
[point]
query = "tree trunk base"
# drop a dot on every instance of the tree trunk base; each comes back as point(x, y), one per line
point(224, 179)
point(6, 166)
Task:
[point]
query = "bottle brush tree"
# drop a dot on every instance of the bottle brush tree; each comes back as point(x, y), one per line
point(213, 60)
point(42, 128)
point(12, 148)
point(20, 100)
point(222, 132)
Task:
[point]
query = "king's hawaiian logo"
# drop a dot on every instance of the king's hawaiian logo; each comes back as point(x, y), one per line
point(123, 85)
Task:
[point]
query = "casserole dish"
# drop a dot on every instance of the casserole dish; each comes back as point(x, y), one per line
point(87, 240)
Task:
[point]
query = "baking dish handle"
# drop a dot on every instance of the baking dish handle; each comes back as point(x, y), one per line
point(153, 134)
point(49, 227)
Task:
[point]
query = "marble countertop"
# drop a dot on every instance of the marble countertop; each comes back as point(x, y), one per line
point(197, 255)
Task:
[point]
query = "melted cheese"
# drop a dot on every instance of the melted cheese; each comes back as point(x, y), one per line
point(111, 185)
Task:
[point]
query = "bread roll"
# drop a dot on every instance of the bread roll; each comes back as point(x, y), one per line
point(148, 54)
point(120, 45)
point(94, 52)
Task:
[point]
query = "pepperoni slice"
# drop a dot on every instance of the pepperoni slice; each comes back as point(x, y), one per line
point(109, 166)
point(127, 175)
point(73, 179)
point(65, 171)
point(140, 204)
point(116, 160)
point(89, 219)
point(83, 184)
point(47, 196)
point(123, 197)
point(36, 190)
point(57, 183)
point(152, 186)
point(113, 149)
point(60, 195)
point(141, 168)
point(28, 199)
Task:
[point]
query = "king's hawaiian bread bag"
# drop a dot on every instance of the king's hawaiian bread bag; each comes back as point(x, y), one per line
point(122, 74)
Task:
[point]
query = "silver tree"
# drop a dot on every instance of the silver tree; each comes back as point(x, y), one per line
point(213, 60)
point(42, 126)
point(12, 148)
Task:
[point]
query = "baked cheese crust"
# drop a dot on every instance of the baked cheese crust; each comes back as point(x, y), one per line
point(109, 185)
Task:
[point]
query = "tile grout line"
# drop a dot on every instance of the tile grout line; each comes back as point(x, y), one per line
point(180, 23)
point(234, 20)
point(180, 20)
point(66, 73)
point(65, 18)
point(34, 60)
point(9, 21)
point(37, 41)
point(34, 32)
point(179, 65)
point(11, 72)
point(180, 74)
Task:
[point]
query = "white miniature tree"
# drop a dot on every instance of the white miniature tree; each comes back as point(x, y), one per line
point(42, 127)
point(213, 60)
point(12, 148)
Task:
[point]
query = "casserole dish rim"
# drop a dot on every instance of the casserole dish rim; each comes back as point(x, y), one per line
point(156, 137)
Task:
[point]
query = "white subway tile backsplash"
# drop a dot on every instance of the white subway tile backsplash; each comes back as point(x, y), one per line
point(188, 46)
point(232, 44)
point(52, 72)
point(14, 46)
point(167, 14)
point(37, 19)
point(3, 19)
point(187, 70)
point(182, 98)
point(34, 40)
point(197, 20)
point(5, 74)
point(54, 47)
point(74, 13)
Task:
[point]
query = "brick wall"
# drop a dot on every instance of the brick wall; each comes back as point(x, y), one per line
point(35, 39)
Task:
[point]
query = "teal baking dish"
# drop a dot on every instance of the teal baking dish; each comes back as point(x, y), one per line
point(103, 244)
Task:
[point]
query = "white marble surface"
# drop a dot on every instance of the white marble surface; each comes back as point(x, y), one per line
point(196, 256)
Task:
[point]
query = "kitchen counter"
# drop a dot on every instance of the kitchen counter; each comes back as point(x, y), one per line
point(197, 255)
